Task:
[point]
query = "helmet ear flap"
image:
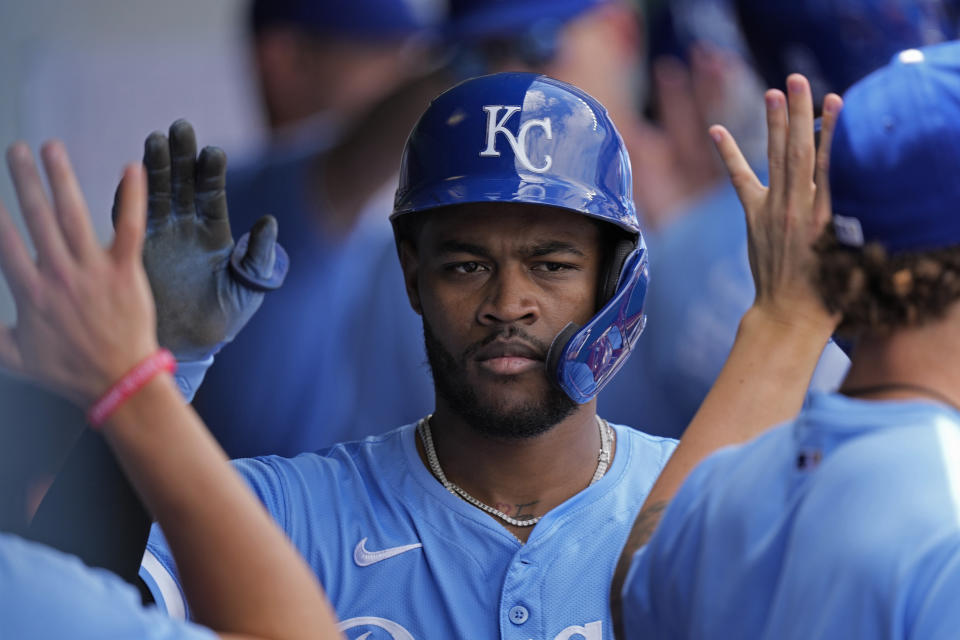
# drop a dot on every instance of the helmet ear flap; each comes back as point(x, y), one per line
point(583, 359)
point(622, 247)
point(552, 362)
point(610, 275)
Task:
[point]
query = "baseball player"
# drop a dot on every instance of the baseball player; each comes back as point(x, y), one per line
point(355, 67)
point(844, 523)
point(86, 328)
point(321, 63)
point(502, 513)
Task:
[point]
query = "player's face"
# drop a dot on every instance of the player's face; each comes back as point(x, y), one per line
point(495, 284)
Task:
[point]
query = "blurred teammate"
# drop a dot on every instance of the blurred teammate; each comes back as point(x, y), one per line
point(304, 364)
point(703, 282)
point(86, 328)
point(845, 522)
point(320, 64)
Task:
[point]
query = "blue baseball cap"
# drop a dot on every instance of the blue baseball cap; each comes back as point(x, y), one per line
point(481, 19)
point(895, 158)
point(835, 43)
point(362, 19)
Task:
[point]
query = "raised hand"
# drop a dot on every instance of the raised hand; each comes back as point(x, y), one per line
point(85, 315)
point(202, 299)
point(784, 219)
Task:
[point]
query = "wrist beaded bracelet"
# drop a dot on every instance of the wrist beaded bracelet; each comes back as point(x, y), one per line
point(131, 382)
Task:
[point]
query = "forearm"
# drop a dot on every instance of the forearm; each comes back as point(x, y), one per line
point(239, 572)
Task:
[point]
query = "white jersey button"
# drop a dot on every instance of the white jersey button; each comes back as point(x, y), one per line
point(518, 614)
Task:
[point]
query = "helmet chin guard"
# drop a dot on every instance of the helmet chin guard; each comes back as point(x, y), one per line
point(530, 139)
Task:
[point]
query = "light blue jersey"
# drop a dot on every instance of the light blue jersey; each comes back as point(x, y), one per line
point(400, 557)
point(844, 524)
point(45, 594)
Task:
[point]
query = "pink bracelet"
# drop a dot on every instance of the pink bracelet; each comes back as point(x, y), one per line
point(129, 384)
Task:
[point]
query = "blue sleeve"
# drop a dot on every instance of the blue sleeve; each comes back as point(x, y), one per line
point(660, 574)
point(189, 376)
point(158, 569)
point(48, 594)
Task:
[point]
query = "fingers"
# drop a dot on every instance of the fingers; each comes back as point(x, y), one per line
point(678, 107)
point(777, 139)
point(261, 251)
point(15, 261)
point(69, 204)
point(831, 110)
point(183, 161)
point(749, 188)
point(800, 147)
point(44, 229)
point(211, 182)
point(156, 160)
point(710, 69)
point(131, 215)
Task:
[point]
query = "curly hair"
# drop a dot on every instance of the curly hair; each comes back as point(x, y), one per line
point(878, 292)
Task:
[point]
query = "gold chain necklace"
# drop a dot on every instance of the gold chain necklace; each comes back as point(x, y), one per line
point(423, 428)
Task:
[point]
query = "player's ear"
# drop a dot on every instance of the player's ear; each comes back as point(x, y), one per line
point(410, 263)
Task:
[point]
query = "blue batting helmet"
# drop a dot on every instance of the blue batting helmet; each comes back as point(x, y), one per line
point(527, 138)
point(479, 19)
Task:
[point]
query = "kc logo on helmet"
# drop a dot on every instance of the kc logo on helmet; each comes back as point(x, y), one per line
point(519, 142)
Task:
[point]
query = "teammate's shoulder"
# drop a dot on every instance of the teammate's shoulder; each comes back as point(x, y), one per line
point(33, 567)
point(737, 470)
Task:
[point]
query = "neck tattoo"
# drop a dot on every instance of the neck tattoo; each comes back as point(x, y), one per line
point(901, 386)
point(423, 428)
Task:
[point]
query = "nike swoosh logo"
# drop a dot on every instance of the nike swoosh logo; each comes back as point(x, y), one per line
point(365, 558)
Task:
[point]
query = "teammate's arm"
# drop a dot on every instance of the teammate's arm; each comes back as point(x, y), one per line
point(85, 317)
point(779, 340)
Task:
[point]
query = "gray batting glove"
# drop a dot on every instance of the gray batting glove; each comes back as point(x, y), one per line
point(205, 286)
